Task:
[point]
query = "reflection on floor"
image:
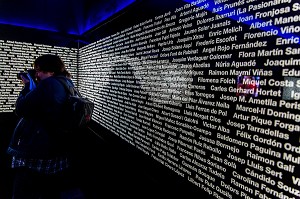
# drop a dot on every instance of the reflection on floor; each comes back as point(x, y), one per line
point(107, 167)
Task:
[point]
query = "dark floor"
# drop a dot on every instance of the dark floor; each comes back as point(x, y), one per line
point(106, 167)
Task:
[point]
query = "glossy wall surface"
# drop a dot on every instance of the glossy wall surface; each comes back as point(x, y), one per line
point(210, 90)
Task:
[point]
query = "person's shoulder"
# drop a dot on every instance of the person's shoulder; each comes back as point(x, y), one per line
point(60, 78)
point(49, 80)
point(70, 81)
point(48, 85)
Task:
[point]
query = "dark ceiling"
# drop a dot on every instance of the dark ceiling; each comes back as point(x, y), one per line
point(71, 20)
point(64, 16)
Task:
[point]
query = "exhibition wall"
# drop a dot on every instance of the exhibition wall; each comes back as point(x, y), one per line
point(209, 89)
point(16, 57)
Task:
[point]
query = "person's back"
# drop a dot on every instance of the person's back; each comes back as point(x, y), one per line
point(38, 145)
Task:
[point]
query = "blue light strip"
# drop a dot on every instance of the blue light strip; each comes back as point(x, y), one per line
point(121, 6)
point(40, 27)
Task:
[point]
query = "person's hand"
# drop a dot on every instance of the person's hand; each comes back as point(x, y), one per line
point(24, 79)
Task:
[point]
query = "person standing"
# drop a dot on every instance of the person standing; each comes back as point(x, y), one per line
point(38, 145)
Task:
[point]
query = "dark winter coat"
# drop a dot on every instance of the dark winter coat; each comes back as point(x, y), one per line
point(40, 132)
